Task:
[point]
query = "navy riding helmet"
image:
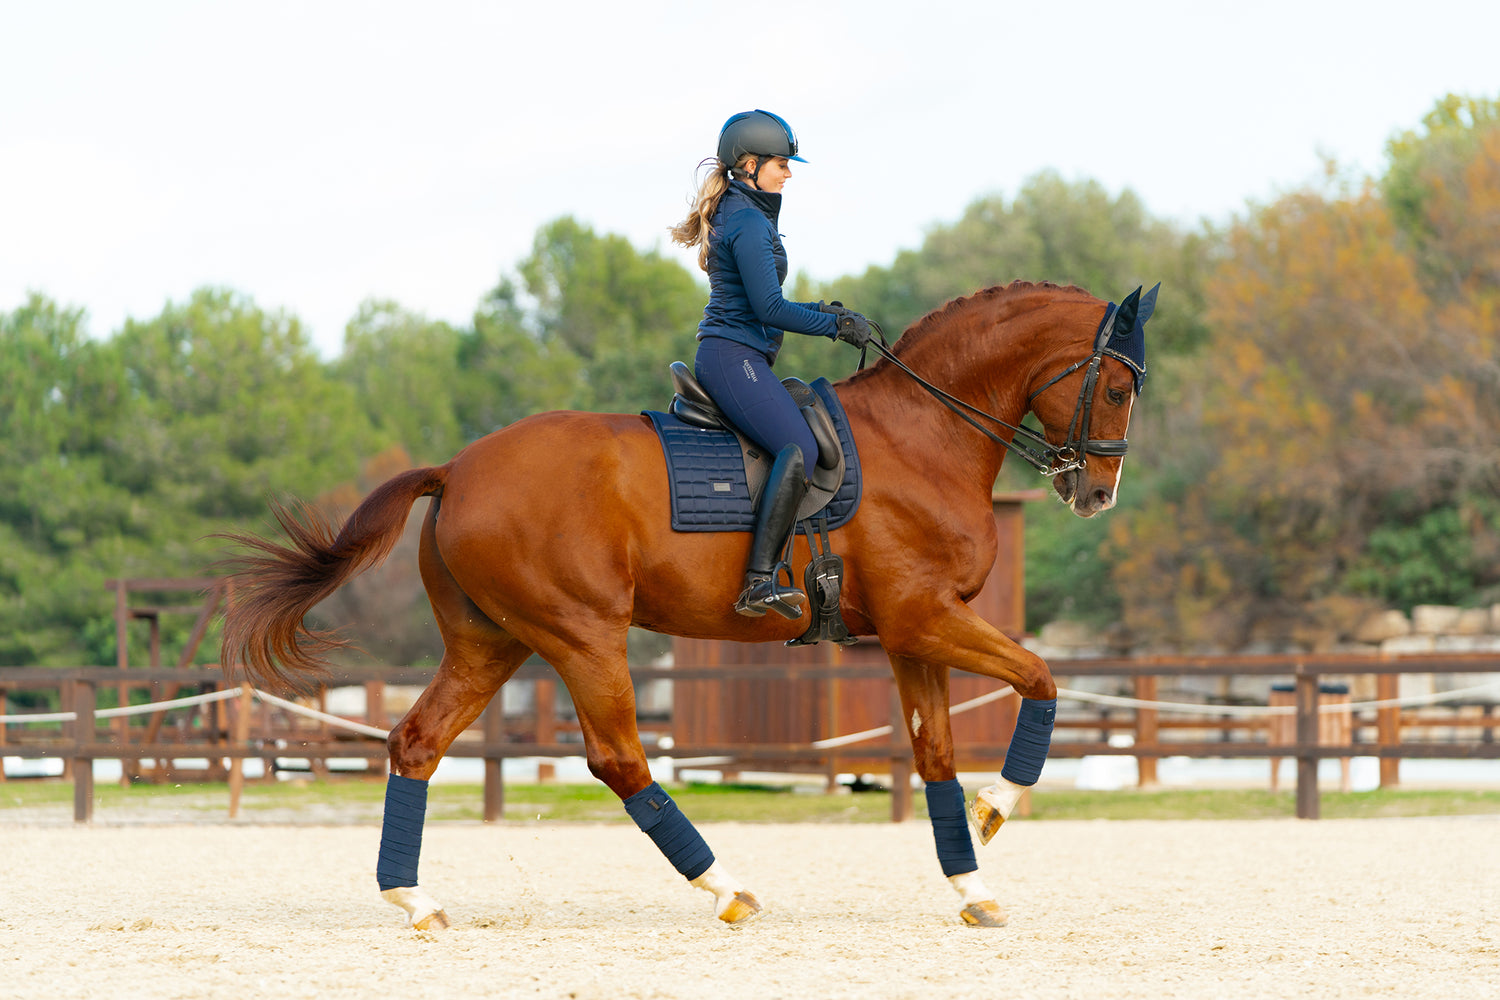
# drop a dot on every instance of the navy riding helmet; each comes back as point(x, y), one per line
point(757, 133)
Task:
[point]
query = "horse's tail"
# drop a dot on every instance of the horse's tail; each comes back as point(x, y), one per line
point(274, 586)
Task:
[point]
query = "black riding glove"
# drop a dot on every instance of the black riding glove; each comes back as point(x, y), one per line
point(853, 329)
point(835, 307)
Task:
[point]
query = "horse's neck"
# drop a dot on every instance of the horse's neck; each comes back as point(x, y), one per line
point(984, 354)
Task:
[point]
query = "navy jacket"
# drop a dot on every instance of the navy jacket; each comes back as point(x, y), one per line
point(746, 266)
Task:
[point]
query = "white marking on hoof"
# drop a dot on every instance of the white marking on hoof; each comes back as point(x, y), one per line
point(732, 903)
point(992, 807)
point(980, 908)
point(422, 911)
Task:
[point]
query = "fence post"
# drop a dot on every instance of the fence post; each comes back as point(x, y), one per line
point(83, 766)
point(1388, 727)
point(3, 711)
point(239, 739)
point(1145, 731)
point(494, 761)
point(545, 698)
point(901, 798)
point(375, 716)
point(1307, 742)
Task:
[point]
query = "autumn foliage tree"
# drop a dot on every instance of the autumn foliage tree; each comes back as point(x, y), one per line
point(1349, 390)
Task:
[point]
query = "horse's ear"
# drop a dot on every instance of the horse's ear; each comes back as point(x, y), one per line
point(1125, 315)
point(1148, 305)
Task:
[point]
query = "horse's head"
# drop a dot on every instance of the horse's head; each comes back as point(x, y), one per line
point(1085, 406)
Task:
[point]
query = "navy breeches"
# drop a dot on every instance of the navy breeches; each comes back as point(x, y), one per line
point(739, 379)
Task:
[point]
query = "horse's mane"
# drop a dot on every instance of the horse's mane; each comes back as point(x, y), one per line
point(996, 295)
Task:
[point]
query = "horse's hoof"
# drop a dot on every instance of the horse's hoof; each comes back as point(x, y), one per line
point(422, 911)
point(986, 818)
point(740, 907)
point(986, 914)
point(437, 920)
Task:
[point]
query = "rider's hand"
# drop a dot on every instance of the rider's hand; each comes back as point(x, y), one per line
point(853, 328)
point(835, 307)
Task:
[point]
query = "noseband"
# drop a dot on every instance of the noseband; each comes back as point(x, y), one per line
point(1033, 448)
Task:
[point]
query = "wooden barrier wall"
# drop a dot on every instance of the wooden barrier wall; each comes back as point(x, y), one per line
point(230, 732)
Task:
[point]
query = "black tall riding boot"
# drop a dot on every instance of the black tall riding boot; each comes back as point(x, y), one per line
point(774, 520)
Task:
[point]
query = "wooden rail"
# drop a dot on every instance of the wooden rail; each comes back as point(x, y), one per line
point(232, 731)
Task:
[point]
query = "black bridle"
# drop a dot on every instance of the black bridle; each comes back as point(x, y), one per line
point(1044, 456)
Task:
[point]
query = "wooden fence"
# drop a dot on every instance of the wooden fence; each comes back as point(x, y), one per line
point(227, 732)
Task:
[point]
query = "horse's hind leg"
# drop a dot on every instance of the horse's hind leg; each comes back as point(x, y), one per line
point(605, 700)
point(924, 706)
point(452, 701)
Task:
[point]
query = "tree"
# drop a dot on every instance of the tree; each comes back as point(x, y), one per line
point(404, 369)
point(1441, 187)
point(506, 371)
point(626, 315)
point(1351, 405)
point(61, 396)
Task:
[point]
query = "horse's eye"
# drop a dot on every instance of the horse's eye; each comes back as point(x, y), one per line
point(1115, 396)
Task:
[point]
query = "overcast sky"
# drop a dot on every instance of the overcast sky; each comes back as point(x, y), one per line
point(314, 154)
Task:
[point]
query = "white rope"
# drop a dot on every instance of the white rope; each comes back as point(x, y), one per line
point(1192, 708)
point(1064, 694)
point(312, 713)
point(200, 699)
point(870, 734)
point(40, 717)
point(114, 713)
point(161, 706)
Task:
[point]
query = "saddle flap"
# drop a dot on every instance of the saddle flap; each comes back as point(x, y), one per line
point(693, 413)
point(827, 436)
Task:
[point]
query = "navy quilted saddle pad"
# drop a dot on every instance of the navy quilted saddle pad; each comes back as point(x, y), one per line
point(706, 473)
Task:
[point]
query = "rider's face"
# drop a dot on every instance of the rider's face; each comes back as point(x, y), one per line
point(774, 173)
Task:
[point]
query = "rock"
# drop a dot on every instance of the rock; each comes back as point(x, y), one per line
point(1434, 619)
point(1472, 621)
point(1466, 643)
point(1396, 645)
point(1382, 625)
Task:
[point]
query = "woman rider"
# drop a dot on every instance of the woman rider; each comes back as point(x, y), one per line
point(733, 223)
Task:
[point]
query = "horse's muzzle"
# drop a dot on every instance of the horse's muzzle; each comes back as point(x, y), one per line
point(1078, 490)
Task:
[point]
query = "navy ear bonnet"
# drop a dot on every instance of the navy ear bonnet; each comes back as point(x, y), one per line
point(1122, 332)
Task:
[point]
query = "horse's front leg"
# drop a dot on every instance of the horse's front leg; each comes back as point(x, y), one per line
point(924, 705)
point(960, 638)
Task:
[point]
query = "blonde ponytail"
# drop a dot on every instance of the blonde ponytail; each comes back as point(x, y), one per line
point(695, 230)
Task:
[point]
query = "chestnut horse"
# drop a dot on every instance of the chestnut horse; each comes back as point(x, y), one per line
point(552, 536)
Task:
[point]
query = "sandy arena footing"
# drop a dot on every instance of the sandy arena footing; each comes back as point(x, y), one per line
point(1354, 908)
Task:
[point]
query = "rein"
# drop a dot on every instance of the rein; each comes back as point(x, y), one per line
point(1037, 451)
